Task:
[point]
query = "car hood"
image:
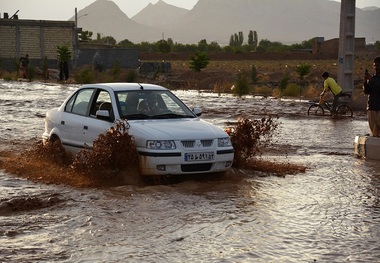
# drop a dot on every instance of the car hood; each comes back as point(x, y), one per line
point(176, 129)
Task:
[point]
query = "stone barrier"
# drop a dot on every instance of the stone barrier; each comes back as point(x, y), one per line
point(367, 147)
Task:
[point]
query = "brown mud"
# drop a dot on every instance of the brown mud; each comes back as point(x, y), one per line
point(32, 164)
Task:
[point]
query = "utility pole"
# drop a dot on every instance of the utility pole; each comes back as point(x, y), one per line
point(346, 45)
point(76, 40)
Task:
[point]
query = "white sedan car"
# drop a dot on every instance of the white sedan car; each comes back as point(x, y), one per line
point(170, 138)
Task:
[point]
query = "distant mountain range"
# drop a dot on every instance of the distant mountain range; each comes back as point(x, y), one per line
point(286, 21)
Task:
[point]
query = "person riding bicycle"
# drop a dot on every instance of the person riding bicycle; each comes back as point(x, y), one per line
point(336, 90)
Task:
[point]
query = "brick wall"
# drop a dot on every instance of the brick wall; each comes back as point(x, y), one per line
point(40, 38)
point(37, 38)
point(331, 47)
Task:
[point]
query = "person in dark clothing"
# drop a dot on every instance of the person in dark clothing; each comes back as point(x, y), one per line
point(63, 71)
point(372, 88)
point(24, 66)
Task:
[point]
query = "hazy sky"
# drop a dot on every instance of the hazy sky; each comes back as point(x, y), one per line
point(64, 9)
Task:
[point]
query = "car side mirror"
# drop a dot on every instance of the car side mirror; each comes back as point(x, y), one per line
point(103, 115)
point(197, 111)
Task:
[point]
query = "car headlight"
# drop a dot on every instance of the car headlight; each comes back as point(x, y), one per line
point(224, 142)
point(160, 145)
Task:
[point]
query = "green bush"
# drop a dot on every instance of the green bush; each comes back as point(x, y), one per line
point(198, 61)
point(84, 76)
point(131, 76)
point(263, 91)
point(302, 70)
point(254, 74)
point(241, 86)
point(116, 68)
point(8, 77)
point(291, 90)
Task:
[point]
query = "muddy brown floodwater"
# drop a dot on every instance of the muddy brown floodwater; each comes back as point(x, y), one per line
point(330, 213)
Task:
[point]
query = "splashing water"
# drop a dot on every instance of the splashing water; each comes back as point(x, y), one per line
point(328, 213)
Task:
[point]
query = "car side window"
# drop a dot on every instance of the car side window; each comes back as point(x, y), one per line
point(79, 102)
point(102, 101)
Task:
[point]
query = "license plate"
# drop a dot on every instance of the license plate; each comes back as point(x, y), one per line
point(194, 157)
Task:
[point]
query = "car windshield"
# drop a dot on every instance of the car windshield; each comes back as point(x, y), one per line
point(151, 104)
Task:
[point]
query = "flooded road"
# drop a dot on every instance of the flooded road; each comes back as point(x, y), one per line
point(330, 213)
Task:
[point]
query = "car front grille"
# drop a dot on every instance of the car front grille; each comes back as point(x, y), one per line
point(203, 167)
point(188, 144)
point(206, 143)
point(193, 143)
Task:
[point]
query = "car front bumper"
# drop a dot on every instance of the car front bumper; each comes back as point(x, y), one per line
point(174, 163)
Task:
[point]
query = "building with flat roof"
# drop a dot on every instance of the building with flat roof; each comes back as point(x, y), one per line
point(40, 38)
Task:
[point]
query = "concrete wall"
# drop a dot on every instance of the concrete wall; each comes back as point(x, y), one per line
point(331, 47)
point(105, 58)
point(40, 38)
point(37, 38)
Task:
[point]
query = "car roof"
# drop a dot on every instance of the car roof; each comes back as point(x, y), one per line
point(121, 86)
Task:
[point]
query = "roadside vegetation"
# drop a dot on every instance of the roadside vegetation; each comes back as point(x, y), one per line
point(203, 67)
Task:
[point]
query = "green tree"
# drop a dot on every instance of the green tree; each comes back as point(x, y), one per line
point(240, 38)
point(232, 42)
point(377, 45)
point(178, 47)
point(126, 43)
point(163, 46)
point(237, 39)
point(264, 44)
point(268, 46)
point(250, 38)
point(199, 61)
point(228, 49)
point(85, 36)
point(64, 56)
point(63, 53)
point(214, 46)
point(302, 70)
point(202, 45)
point(255, 40)
point(146, 46)
point(170, 42)
point(306, 44)
point(108, 40)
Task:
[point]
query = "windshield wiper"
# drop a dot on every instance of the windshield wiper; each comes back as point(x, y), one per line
point(137, 116)
point(171, 116)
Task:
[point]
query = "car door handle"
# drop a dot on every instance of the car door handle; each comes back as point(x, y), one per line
point(85, 127)
point(63, 122)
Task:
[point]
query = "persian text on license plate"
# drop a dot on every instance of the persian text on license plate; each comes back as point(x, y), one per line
point(194, 157)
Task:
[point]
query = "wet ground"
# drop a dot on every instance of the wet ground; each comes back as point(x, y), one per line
point(330, 213)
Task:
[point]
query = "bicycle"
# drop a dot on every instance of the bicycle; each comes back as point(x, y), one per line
point(342, 110)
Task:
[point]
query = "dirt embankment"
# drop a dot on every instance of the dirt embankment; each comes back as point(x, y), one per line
point(220, 56)
point(271, 68)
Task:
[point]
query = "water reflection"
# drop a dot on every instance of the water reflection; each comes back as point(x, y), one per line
point(330, 213)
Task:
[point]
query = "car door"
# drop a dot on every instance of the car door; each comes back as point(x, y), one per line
point(72, 120)
point(95, 125)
